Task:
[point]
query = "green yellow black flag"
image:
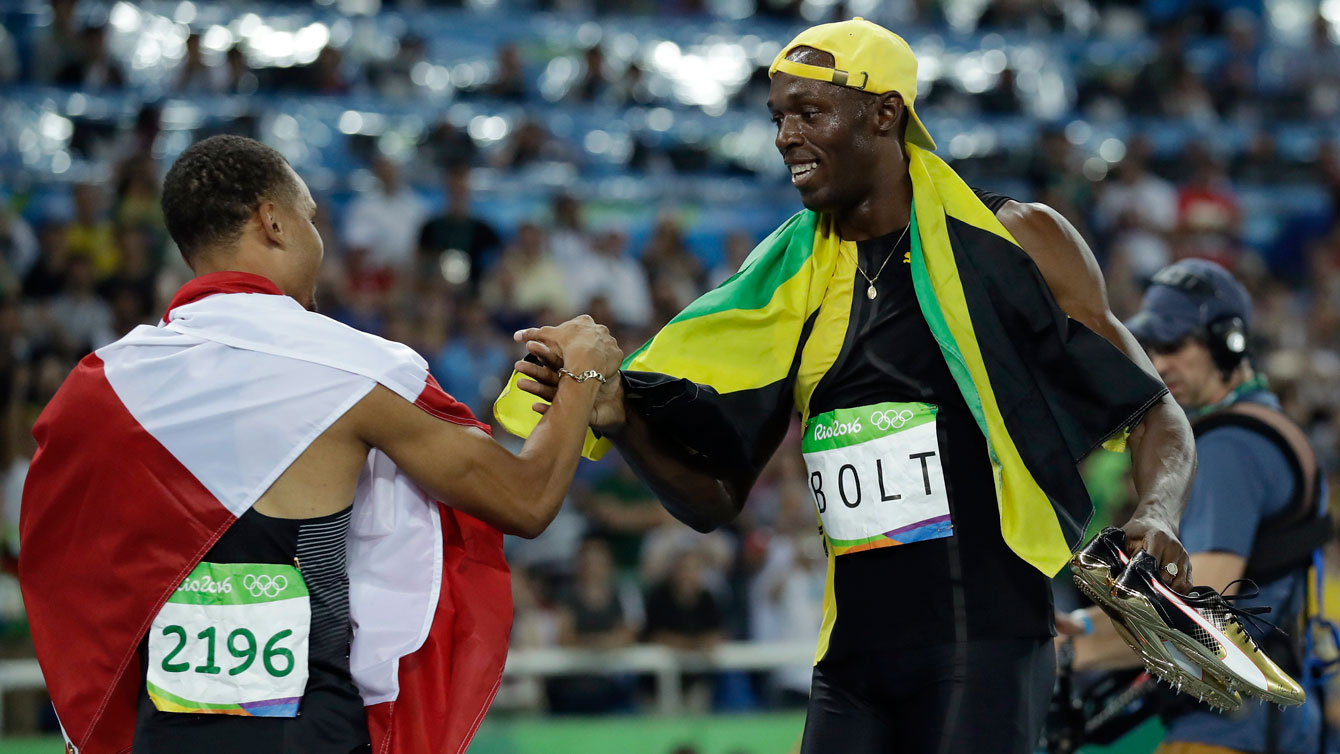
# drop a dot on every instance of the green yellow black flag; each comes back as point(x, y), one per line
point(1043, 389)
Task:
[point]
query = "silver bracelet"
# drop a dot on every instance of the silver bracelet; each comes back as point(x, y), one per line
point(584, 376)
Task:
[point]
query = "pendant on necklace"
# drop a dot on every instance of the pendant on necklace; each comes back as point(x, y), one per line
point(870, 292)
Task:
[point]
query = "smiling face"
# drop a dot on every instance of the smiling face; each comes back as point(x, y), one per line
point(828, 135)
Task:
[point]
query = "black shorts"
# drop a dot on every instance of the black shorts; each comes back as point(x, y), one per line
point(179, 733)
point(965, 698)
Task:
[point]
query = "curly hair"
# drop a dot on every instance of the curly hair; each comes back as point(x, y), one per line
point(215, 185)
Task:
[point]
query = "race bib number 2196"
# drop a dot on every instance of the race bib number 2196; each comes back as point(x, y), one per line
point(232, 640)
point(876, 475)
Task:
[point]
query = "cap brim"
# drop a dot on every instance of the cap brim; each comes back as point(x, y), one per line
point(1151, 328)
point(916, 131)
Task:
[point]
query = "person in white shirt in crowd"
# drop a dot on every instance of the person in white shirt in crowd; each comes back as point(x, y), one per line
point(786, 601)
point(383, 224)
point(527, 280)
point(568, 238)
point(607, 271)
point(1139, 211)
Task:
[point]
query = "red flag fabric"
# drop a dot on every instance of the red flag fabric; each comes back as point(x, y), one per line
point(157, 443)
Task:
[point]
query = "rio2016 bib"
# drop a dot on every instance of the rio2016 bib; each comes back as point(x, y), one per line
point(232, 640)
point(876, 476)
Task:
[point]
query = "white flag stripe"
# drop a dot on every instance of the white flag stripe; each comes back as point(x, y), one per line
point(235, 419)
point(236, 386)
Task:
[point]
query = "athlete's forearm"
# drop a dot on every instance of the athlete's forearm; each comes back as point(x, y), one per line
point(553, 450)
point(692, 494)
point(1163, 463)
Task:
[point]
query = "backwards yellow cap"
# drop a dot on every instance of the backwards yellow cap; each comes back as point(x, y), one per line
point(867, 57)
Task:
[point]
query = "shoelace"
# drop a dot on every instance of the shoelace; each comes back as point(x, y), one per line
point(1249, 615)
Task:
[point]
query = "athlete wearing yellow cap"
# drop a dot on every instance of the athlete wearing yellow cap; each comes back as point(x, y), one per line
point(952, 356)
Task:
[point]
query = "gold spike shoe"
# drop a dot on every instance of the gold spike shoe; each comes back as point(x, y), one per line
point(1204, 628)
point(1095, 568)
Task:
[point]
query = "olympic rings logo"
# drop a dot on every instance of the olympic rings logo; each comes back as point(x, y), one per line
point(269, 586)
point(891, 419)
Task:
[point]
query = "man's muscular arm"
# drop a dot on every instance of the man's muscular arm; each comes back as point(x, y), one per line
point(464, 468)
point(692, 494)
point(1163, 456)
point(704, 499)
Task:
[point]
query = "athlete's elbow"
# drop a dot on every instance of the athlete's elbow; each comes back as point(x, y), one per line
point(535, 513)
point(694, 519)
point(525, 522)
point(529, 529)
point(707, 526)
point(704, 516)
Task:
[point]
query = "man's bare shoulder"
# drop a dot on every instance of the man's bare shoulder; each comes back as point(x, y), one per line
point(1062, 256)
point(1039, 229)
point(322, 480)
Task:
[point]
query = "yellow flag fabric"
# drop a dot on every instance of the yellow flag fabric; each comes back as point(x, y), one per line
point(1027, 519)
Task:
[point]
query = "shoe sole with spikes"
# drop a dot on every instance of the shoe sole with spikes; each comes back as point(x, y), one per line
point(1218, 646)
point(1095, 568)
point(1161, 659)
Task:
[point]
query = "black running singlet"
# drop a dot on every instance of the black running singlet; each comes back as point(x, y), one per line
point(331, 717)
point(966, 587)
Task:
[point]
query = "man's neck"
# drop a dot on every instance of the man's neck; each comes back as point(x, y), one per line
point(208, 264)
point(885, 209)
point(1237, 379)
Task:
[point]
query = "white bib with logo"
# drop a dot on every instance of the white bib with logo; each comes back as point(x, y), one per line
point(232, 640)
point(877, 476)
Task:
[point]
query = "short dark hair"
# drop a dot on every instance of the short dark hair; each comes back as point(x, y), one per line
point(215, 185)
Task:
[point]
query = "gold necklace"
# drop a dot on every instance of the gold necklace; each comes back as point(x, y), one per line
point(870, 292)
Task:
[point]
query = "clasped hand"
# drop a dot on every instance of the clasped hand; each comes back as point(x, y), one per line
point(577, 345)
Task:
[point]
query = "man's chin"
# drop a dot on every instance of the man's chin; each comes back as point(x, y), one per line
point(815, 201)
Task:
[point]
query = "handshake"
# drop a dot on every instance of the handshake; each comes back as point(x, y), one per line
point(573, 349)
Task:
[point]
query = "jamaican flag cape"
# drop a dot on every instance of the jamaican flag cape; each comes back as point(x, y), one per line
point(722, 377)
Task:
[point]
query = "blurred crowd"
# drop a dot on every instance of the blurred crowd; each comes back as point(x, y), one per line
point(412, 255)
point(1199, 65)
point(1168, 70)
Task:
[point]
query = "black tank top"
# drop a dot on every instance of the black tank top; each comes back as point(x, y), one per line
point(331, 718)
point(965, 587)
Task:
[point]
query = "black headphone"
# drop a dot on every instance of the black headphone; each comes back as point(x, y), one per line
point(1225, 336)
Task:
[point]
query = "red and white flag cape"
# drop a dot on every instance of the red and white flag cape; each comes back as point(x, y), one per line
point(155, 445)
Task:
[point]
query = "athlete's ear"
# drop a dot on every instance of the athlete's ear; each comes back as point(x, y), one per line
point(888, 113)
point(267, 214)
